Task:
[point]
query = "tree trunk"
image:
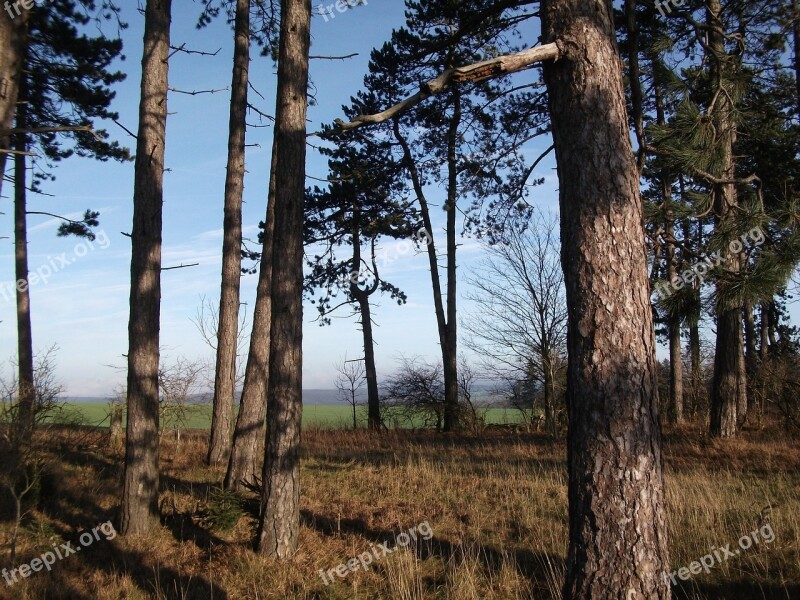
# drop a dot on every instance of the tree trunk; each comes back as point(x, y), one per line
point(227, 333)
point(373, 399)
point(618, 534)
point(674, 323)
point(796, 41)
point(140, 494)
point(12, 43)
point(764, 332)
point(26, 401)
point(279, 525)
point(724, 407)
point(246, 454)
point(729, 388)
point(449, 347)
point(549, 394)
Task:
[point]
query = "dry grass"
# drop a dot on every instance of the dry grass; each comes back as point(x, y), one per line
point(497, 506)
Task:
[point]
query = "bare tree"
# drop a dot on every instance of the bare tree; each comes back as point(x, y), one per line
point(180, 382)
point(141, 487)
point(351, 378)
point(415, 394)
point(521, 318)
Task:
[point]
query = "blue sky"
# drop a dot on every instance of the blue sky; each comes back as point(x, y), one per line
point(83, 305)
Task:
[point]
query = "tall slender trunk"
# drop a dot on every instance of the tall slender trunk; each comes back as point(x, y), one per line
point(617, 524)
point(373, 399)
point(450, 347)
point(13, 33)
point(729, 387)
point(141, 479)
point(763, 346)
point(246, 453)
point(26, 392)
point(279, 525)
point(673, 320)
point(362, 298)
point(443, 327)
point(227, 334)
point(674, 325)
point(796, 43)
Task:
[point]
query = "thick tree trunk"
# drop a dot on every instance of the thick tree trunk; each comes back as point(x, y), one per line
point(618, 533)
point(26, 400)
point(729, 388)
point(12, 43)
point(141, 480)
point(246, 455)
point(279, 525)
point(227, 333)
point(724, 407)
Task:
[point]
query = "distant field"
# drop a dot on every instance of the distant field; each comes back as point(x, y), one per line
point(323, 416)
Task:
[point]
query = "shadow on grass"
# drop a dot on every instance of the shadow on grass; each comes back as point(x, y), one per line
point(537, 567)
point(72, 513)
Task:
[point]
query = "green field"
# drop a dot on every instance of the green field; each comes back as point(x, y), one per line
point(199, 416)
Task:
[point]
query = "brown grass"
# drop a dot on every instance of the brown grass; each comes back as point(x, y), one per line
point(497, 506)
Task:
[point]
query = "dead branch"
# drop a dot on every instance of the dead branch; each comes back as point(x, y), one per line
point(57, 129)
point(345, 57)
point(479, 71)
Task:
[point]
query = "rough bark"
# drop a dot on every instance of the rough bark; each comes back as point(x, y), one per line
point(26, 391)
point(618, 534)
point(12, 42)
point(724, 404)
point(729, 387)
point(279, 525)
point(246, 453)
point(227, 334)
point(141, 479)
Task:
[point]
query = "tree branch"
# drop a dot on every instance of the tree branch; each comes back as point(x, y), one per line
point(479, 71)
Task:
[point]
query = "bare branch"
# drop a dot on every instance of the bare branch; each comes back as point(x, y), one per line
point(182, 48)
point(198, 92)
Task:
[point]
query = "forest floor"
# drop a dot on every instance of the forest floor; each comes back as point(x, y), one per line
point(494, 508)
